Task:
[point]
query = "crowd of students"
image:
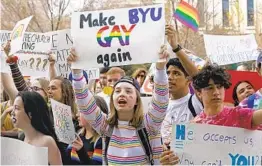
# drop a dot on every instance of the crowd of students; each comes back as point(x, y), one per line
point(112, 126)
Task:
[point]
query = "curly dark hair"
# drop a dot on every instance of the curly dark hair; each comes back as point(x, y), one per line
point(214, 72)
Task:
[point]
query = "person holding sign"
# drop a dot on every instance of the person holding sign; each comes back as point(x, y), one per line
point(87, 148)
point(31, 114)
point(210, 84)
point(127, 129)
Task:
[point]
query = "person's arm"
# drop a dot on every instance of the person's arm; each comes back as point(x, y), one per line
point(18, 77)
point(54, 156)
point(160, 98)
point(16, 73)
point(85, 100)
point(189, 66)
point(52, 69)
point(9, 86)
point(257, 118)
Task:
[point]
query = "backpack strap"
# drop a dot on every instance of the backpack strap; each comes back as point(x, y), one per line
point(106, 138)
point(191, 107)
point(144, 140)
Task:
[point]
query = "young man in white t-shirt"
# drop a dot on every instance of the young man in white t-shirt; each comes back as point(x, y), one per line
point(179, 70)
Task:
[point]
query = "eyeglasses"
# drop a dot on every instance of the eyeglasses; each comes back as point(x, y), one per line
point(35, 88)
point(140, 75)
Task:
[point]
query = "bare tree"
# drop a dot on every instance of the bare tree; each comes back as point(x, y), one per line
point(48, 14)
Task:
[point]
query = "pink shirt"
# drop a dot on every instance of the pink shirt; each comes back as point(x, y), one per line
point(230, 116)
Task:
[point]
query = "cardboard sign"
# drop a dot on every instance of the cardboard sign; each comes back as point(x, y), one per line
point(202, 144)
point(33, 58)
point(64, 126)
point(17, 34)
point(118, 37)
point(93, 73)
point(61, 43)
point(16, 152)
point(225, 50)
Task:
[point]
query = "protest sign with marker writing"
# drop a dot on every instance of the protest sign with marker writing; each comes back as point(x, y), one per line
point(17, 34)
point(63, 123)
point(33, 58)
point(219, 145)
point(118, 37)
point(225, 50)
point(61, 43)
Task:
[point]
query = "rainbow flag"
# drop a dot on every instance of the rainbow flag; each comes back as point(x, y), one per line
point(187, 15)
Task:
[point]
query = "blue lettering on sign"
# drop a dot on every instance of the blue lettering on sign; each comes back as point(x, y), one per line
point(239, 159)
point(135, 13)
point(180, 132)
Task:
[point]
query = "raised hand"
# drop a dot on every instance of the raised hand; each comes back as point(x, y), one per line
point(163, 56)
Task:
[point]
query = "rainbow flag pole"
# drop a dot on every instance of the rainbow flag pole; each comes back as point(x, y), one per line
point(187, 15)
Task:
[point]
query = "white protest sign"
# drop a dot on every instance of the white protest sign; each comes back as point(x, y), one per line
point(4, 37)
point(93, 73)
point(33, 58)
point(225, 50)
point(17, 35)
point(16, 152)
point(202, 144)
point(64, 126)
point(61, 45)
point(146, 101)
point(118, 37)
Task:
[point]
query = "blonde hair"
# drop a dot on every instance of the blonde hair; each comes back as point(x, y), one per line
point(115, 70)
point(138, 71)
point(44, 85)
point(138, 115)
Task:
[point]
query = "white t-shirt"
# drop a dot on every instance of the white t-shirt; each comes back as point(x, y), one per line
point(178, 112)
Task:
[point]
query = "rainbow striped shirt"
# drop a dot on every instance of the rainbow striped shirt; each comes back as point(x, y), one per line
point(124, 146)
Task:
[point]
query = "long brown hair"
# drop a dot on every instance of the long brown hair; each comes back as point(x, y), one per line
point(138, 115)
point(68, 95)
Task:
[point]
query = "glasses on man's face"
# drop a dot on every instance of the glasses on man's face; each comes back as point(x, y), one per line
point(35, 88)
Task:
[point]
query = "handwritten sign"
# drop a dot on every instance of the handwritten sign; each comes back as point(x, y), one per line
point(33, 58)
point(61, 43)
point(93, 73)
point(219, 145)
point(118, 37)
point(13, 153)
point(64, 126)
point(225, 50)
point(17, 34)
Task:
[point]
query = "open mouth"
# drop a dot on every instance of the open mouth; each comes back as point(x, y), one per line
point(122, 102)
point(14, 120)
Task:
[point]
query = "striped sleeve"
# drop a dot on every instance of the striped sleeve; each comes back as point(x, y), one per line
point(157, 111)
point(87, 105)
point(18, 77)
